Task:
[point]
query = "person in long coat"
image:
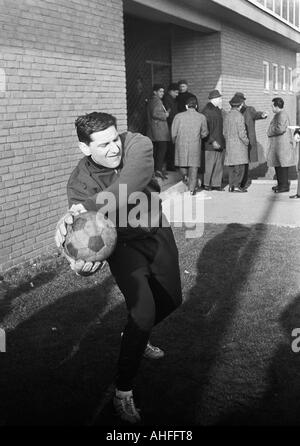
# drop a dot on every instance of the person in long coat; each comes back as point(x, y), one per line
point(214, 143)
point(281, 151)
point(157, 129)
point(236, 153)
point(170, 103)
point(188, 129)
point(251, 116)
point(297, 143)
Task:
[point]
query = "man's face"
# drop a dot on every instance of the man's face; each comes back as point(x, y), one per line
point(275, 109)
point(160, 93)
point(106, 147)
point(173, 93)
point(219, 102)
point(183, 88)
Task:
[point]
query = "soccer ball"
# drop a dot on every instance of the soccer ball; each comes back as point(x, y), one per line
point(91, 237)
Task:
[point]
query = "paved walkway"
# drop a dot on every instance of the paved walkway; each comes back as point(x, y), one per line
point(258, 205)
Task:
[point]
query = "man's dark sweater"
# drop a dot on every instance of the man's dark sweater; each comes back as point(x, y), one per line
point(89, 179)
point(182, 98)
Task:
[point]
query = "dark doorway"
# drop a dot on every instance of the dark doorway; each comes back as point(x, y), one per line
point(148, 61)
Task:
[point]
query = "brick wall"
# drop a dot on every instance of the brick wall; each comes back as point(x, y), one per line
point(60, 59)
point(196, 57)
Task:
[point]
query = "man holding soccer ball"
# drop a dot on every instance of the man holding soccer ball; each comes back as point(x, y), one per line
point(145, 260)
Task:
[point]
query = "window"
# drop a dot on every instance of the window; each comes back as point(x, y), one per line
point(291, 11)
point(282, 78)
point(285, 10)
point(278, 7)
point(275, 76)
point(284, 13)
point(266, 76)
point(297, 13)
point(290, 79)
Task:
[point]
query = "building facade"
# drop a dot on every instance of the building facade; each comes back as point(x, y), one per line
point(59, 59)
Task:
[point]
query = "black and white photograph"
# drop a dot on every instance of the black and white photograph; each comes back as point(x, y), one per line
point(149, 215)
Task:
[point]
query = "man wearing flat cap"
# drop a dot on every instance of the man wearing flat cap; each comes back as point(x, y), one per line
point(214, 143)
point(250, 116)
point(236, 154)
point(184, 95)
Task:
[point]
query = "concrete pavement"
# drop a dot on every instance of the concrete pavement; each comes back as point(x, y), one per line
point(259, 205)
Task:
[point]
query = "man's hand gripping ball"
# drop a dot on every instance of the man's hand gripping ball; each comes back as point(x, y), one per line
point(79, 266)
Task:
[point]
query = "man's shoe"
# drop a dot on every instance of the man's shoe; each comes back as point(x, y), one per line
point(236, 189)
point(219, 189)
point(152, 352)
point(274, 188)
point(125, 408)
point(281, 190)
point(206, 188)
point(185, 179)
point(159, 174)
point(295, 196)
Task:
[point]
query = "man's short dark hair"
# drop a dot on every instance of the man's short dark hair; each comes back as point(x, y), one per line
point(157, 87)
point(192, 102)
point(278, 102)
point(173, 87)
point(91, 123)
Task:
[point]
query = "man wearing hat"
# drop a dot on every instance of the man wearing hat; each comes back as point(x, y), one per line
point(250, 116)
point(184, 95)
point(236, 154)
point(214, 143)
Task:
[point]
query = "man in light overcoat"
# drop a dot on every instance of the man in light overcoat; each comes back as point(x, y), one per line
point(188, 129)
point(236, 154)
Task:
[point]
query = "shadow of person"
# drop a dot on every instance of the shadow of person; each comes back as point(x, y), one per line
point(9, 293)
point(194, 335)
point(61, 359)
point(280, 403)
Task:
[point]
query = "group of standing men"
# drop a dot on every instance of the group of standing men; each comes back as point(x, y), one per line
point(161, 111)
point(200, 144)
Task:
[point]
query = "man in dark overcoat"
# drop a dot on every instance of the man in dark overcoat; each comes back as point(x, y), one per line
point(250, 116)
point(214, 143)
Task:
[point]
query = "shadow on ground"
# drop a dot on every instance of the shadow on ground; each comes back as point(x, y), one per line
point(8, 292)
point(280, 404)
point(60, 361)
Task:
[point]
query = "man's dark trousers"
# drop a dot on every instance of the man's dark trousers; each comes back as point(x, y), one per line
point(236, 174)
point(213, 168)
point(282, 174)
point(147, 273)
point(160, 149)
